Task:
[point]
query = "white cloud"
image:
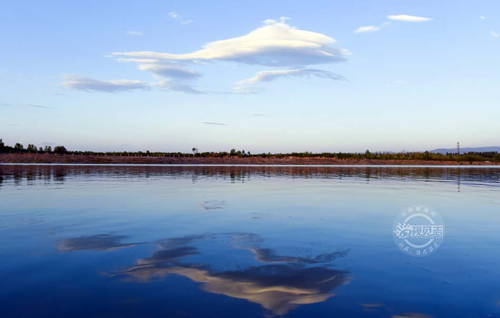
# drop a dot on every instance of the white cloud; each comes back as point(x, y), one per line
point(25, 105)
point(365, 29)
point(171, 71)
point(258, 115)
point(212, 123)
point(482, 18)
point(274, 44)
point(407, 18)
point(36, 106)
point(272, 21)
point(178, 86)
point(494, 34)
point(179, 18)
point(112, 86)
point(268, 76)
point(136, 33)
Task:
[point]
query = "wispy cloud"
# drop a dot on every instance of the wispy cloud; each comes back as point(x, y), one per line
point(268, 76)
point(212, 123)
point(494, 34)
point(366, 29)
point(407, 18)
point(179, 18)
point(24, 105)
point(371, 28)
point(258, 115)
point(176, 86)
point(111, 86)
point(35, 106)
point(482, 18)
point(170, 71)
point(135, 33)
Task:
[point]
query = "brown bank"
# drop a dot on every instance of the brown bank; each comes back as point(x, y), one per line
point(93, 159)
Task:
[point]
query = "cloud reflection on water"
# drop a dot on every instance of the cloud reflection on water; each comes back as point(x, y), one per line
point(280, 285)
point(97, 243)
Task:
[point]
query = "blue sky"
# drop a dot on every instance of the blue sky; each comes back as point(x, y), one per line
point(291, 75)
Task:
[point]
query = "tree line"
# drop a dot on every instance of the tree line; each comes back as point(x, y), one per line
point(403, 155)
point(31, 148)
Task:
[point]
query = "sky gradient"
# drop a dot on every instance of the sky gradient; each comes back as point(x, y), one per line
point(262, 76)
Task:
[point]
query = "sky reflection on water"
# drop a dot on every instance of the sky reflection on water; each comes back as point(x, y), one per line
point(243, 242)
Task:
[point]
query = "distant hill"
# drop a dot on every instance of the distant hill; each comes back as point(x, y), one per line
point(465, 150)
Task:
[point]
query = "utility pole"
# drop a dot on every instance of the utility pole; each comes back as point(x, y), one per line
point(458, 148)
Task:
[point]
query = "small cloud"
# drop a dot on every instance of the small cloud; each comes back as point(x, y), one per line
point(494, 34)
point(269, 76)
point(24, 105)
point(171, 71)
point(95, 85)
point(177, 17)
point(482, 18)
point(407, 18)
point(366, 29)
point(176, 86)
point(272, 21)
point(212, 123)
point(135, 33)
point(35, 106)
point(258, 115)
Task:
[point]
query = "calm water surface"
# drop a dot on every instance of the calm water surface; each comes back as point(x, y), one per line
point(146, 241)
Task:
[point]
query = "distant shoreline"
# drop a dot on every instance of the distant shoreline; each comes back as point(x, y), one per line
point(102, 159)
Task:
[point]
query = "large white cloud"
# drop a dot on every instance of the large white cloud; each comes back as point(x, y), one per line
point(112, 86)
point(274, 44)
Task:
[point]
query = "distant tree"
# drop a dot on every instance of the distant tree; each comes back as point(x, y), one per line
point(232, 152)
point(60, 149)
point(497, 157)
point(47, 149)
point(18, 146)
point(31, 148)
point(40, 149)
point(368, 154)
point(2, 145)
point(195, 151)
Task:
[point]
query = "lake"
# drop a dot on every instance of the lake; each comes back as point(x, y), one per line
point(245, 241)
